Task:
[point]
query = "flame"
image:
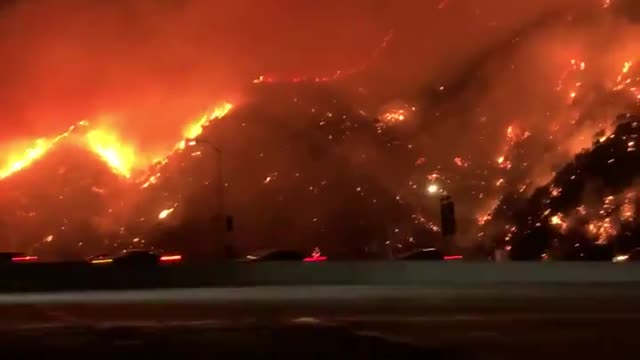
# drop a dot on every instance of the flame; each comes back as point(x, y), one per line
point(165, 213)
point(195, 129)
point(603, 230)
point(21, 159)
point(119, 156)
point(558, 220)
point(122, 158)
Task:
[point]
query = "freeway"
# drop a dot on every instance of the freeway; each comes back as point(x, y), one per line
point(463, 275)
point(471, 310)
point(367, 321)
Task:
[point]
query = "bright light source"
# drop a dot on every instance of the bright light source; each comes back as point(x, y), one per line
point(621, 258)
point(164, 213)
point(171, 258)
point(315, 259)
point(102, 261)
point(24, 258)
point(433, 188)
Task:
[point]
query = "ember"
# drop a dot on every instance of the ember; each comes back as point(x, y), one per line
point(521, 131)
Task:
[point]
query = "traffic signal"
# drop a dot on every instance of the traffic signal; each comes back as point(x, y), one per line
point(447, 216)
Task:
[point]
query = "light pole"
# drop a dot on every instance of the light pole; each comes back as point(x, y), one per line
point(221, 218)
point(219, 178)
point(447, 212)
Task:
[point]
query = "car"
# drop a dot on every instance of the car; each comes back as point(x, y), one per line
point(428, 254)
point(16, 258)
point(137, 257)
point(275, 255)
point(285, 255)
point(632, 256)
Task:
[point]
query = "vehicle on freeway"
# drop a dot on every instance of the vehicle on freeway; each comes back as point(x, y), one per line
point(16, 258)
point(632, 256)
point(428, 254)
point(137, 257)
point(284, 255)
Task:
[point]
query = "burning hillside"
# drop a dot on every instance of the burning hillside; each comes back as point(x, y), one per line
point(325, 179)
point(74, 189)
point(591, 200)
point(340, 157)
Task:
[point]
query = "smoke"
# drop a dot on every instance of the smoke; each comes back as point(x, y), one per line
point(161, 62)
point(488, 84)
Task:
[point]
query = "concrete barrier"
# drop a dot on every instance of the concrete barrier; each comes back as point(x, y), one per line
point(68, 276)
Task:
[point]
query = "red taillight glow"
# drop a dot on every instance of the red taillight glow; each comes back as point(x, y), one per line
point(171, 258)
point(453, 257)
point(24, 258)
point(315, 259)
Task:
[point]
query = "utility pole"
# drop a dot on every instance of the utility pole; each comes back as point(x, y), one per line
point(223, 223)
point(448, 224)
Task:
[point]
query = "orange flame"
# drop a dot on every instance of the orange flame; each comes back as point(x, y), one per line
point(195, 129)
point(121, 157)
point(118, 156)
point(21, 159)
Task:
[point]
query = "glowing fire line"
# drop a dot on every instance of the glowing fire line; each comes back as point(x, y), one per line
point(122, 158)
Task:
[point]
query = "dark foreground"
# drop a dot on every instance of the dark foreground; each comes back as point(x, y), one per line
point(593, 321)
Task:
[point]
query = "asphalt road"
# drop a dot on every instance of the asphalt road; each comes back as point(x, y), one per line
point(363, 322)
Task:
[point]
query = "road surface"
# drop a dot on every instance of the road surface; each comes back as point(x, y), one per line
point(584, 321)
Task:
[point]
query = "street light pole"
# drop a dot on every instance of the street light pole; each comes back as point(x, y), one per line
point(447, 214)
point(219, 177)
point(221, 218)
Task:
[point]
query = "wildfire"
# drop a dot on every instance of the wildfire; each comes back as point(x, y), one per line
point(558, 220)
point(21, 159)
point(603, 230)
point(333, 76)
point(394, 116)
point(196, 128)
point(395, 113)
point(165, 213)
point(628, 208)
point(120, 157)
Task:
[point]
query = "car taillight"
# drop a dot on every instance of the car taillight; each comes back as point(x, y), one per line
point(170, 258)
point(24, 258)
point(101, 261)
point(315, 259)
point(453, 257)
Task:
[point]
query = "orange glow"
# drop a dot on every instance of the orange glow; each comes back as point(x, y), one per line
point(20, 159)
point(559, 221)
point(24, 258)
point(118, 156)
point(195, 129)
point(171, 258)
point(394, 116)
point(602, 230)
point(102, 261)
point(123, 158)
point(460, 162)
point(165, 213)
